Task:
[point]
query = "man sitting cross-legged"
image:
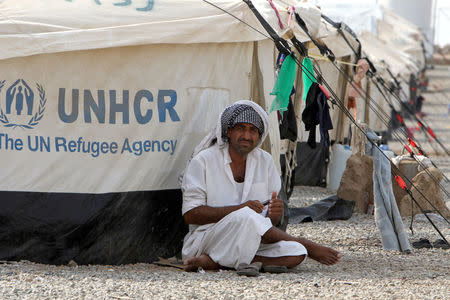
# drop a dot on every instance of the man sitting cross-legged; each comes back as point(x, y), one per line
point(223, 188)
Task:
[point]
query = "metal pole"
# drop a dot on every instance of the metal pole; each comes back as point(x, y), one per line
point(435, 2)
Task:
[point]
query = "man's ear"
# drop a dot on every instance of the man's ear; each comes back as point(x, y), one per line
point(228, 132)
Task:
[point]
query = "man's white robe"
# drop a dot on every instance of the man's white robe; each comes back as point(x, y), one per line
point(236, 238)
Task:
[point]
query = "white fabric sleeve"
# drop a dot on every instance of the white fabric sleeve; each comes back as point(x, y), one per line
point(194, 185)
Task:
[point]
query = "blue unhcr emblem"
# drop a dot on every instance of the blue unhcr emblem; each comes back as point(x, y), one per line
point(20, 101)
point(148, 6)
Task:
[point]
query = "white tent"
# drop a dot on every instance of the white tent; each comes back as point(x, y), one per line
point(402, 35)
point(389, 41)
point(120, 96)
point(385, 57)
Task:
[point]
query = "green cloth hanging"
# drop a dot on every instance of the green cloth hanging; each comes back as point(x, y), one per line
point(283, 85)
point(308, 77)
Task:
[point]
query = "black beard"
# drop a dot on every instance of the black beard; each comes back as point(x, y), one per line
point(243, 150)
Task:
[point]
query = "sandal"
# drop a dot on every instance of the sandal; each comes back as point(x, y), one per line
point(422, 243)
point(275, 269)
point(441, 244)
point(250, 270)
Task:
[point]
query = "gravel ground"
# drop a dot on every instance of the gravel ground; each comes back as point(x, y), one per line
point(366, 271)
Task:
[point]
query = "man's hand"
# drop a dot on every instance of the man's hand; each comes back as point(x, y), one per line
point(255, 205)
point(275, 209)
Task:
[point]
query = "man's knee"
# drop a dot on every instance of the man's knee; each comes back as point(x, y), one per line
point(246, 221)
point(294, 261)
point(246, 217)
point(243, 215)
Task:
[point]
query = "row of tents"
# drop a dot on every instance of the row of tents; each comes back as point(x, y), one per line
point(103, 102)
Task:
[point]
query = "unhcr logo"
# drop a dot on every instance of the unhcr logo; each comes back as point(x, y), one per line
point(18, 107)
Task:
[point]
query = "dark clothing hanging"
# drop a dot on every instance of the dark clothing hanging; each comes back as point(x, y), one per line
point(317, 112)
point(288, 125)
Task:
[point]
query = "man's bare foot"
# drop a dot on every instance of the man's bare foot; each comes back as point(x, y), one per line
point(192, 264)
point(324, 255)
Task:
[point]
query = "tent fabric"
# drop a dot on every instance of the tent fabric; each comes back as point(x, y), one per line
point(371, 17)
point(311, 15)
point(379, 123)
point(260, 88)
point(381, 52)
point(338, 45)
point(406, 37)
point(56, 182)
point(30, 27)
point(170, 108)
point(359, 15)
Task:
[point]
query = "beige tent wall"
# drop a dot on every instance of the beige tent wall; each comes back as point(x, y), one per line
point(379, 111)
point(362, 107)
point(263, 80)
point(377, 114)
point(403, 35)
point(385, 54)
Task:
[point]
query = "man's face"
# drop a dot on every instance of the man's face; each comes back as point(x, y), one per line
point(243, 138)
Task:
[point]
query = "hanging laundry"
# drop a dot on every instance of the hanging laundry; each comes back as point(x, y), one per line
point(288, 126)
point(308, 76)
point(317, 112)
point(355, 88)
point(324, 90)
point(280, 60)
point(283, 85)
point(280, 23)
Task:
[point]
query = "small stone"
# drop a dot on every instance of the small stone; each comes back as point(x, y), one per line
point(72, 263)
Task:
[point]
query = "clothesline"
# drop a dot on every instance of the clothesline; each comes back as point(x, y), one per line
point(340, 61)
point(326, 58)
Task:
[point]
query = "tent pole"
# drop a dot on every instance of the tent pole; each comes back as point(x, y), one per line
point(257, 91)
point(342, 82)
point(291, 151)
point(298, 97)
point(366, 103)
